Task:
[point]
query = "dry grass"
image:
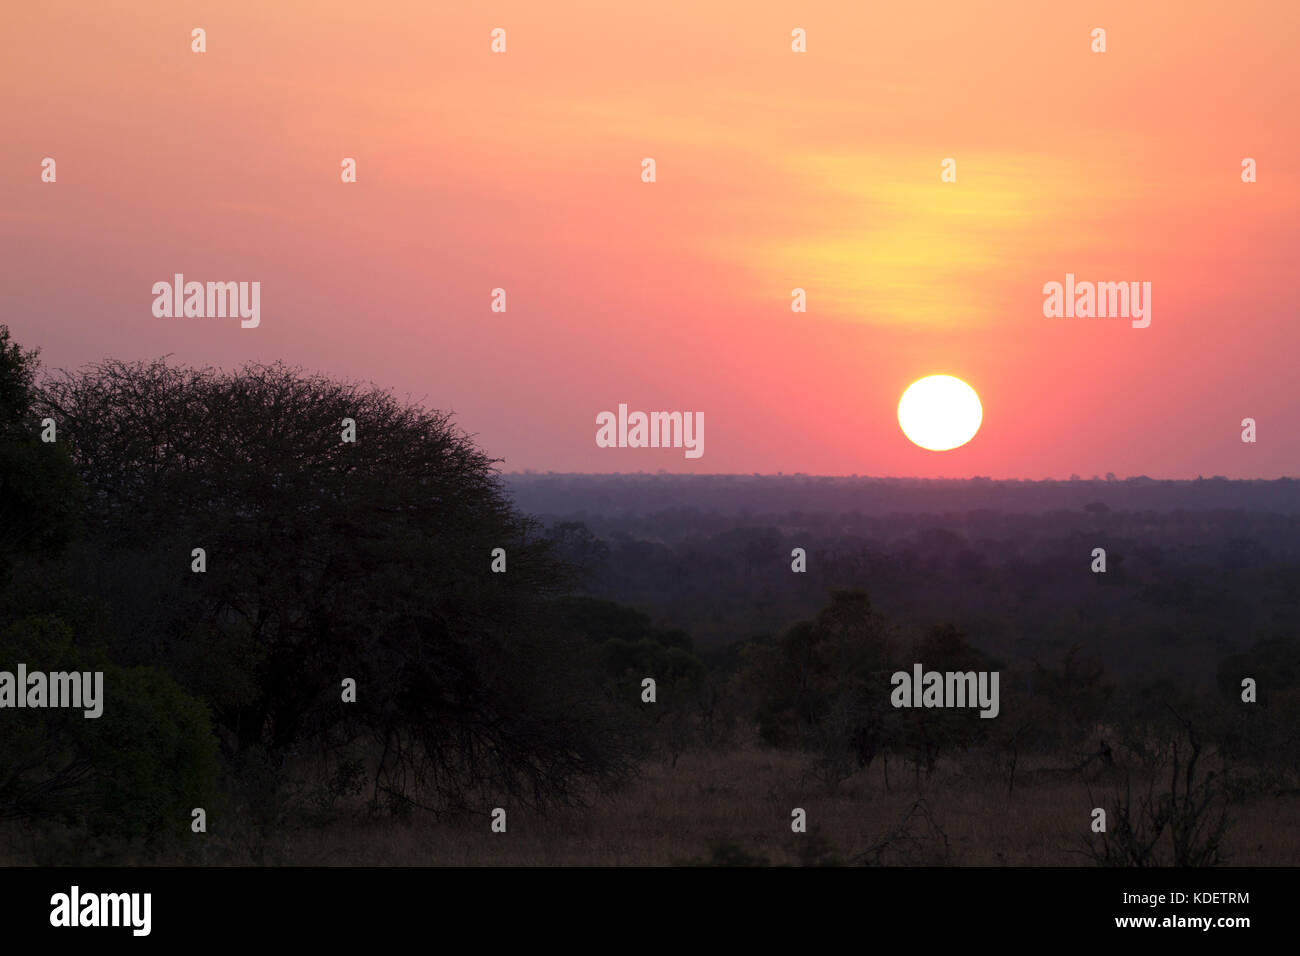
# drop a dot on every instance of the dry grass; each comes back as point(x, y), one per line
point(741, 799)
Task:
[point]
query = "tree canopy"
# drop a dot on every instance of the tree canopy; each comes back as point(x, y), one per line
point(327, 559)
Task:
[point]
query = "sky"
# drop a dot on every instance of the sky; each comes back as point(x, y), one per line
point(775, 170)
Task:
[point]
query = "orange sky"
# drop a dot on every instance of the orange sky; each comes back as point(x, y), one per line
point(775, 170)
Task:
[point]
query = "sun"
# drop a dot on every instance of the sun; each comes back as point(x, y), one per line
point(940, 412)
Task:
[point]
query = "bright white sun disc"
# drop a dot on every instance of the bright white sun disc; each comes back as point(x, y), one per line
point(940, 412)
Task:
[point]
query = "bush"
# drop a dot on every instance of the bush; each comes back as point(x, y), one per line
point(133, 773)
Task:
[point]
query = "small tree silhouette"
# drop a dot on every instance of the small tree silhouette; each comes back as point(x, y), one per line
point(1184, 825)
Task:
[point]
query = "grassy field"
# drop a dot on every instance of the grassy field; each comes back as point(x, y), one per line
point(733, 806)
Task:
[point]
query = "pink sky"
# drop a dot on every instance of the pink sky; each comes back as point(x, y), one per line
point(776, 170)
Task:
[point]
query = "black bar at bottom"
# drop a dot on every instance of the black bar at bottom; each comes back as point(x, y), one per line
point(330, 907)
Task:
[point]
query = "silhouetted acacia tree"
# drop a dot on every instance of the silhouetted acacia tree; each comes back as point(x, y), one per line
point(328, 560)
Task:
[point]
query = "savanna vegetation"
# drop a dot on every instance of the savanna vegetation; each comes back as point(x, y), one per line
point(210, 542)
